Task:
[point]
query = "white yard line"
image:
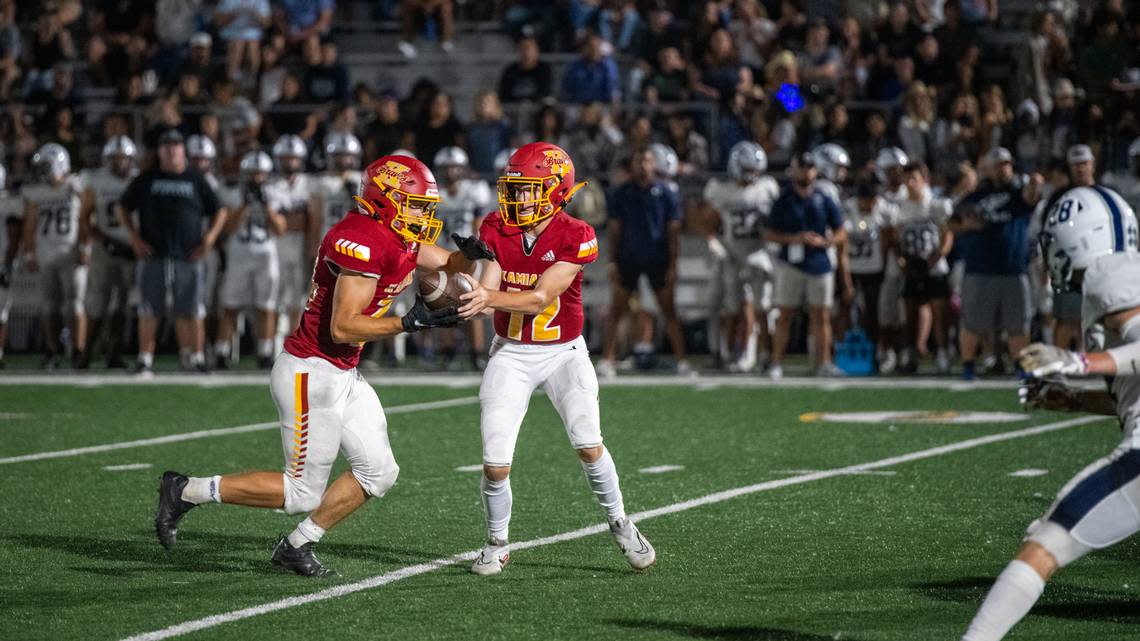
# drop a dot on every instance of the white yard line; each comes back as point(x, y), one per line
point(225, 431)
point(717, 497)
point(399, 378)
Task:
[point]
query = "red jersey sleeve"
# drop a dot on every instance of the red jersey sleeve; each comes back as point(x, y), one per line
point(352, 251)
point(489, 231)
point(580, 245)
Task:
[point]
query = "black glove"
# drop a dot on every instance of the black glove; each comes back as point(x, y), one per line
point(5, 277)
point(420, 317)
point(473, 248)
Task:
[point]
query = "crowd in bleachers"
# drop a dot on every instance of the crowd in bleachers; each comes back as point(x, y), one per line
point(881, 102)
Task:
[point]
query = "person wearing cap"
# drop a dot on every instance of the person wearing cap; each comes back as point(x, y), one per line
point(808, 226)
point(171, 201)
point(992, 225)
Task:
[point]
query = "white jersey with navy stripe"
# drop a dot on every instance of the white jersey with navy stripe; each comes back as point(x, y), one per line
point(743, 209)
point(107, 187)
point(57, 217)
point(334, 193)
point(461, 204)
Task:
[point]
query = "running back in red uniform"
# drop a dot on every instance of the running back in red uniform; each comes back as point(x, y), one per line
point(361, 244)
point(565, 239)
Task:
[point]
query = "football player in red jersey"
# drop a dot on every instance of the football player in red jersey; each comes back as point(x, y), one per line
point(535, 289)
point(324, 405)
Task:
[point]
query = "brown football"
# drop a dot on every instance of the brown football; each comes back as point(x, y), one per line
point(439, 291)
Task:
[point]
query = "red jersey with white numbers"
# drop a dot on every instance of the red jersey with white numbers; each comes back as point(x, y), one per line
point(361, 244)
point(565, 239)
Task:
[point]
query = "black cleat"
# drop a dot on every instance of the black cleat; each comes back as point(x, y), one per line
point(264, 362)
point(116, 362)
point(301, 560)
point(171, 508)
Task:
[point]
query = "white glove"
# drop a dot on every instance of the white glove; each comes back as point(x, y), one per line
point(1038, 394)
point(1040, 360)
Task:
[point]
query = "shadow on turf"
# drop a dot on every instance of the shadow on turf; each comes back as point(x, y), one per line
point(1060, 600)
point(721, 632)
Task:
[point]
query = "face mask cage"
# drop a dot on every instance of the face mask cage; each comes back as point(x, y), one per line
point(524, 201)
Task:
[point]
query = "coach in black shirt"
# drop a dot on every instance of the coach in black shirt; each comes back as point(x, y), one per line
point(174, 204)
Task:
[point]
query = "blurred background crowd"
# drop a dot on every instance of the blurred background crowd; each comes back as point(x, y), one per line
point(937, 131)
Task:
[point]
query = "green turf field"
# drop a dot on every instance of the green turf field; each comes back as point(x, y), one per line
point(899, 552)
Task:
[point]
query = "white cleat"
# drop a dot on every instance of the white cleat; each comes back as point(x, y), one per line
point(632, 544)
point(775, 372)
point(606, 370)
point(888, 362)
point(494, 556)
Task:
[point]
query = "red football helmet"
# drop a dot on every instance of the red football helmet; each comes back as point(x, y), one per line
point(538, 181)
point(401, 192)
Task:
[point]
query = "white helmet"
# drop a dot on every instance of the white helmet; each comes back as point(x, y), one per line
point(1134, 154)
point(119, 146)
point(503, 158)
point(746, 158)
point(451, 157)
point(53, 160)
point(829, 158)
point(666, 158)
point(256, 161)
point(199, 146)
point(289, 146)
point(1084, 223)
point(339, 142)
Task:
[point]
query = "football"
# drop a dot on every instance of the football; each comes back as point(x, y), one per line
point(439, 291)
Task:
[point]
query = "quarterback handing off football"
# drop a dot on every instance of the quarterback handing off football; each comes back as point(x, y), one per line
point(439, 291)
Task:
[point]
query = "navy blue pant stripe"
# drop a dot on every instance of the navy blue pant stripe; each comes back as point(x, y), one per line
point(1117, 218)
point(1094, 489)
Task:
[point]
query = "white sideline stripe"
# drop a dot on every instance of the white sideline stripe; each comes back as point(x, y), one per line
point(717, 497)
point(224, 431)
point(127, 466)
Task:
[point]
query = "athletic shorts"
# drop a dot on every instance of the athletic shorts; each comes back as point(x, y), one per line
point(294, 273)
point(629, 273)
point(110, 281)
point(250, 284)
point(166, 284)
point(920, 285)
point(514, 372)
point(1067, 307)
point(795, 287)
point(62, 285)
point(996, 302)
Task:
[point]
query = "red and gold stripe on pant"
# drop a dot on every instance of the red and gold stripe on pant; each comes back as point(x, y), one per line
point(300, 424)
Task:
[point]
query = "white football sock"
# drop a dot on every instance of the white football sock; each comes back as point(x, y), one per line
point(265, 347)
point(146, 359)
point(603, 478)
point(222, 349)
point(306, 532)
point(1016, 590)
point(203, 489)
point(197, 358)
point(497, 500)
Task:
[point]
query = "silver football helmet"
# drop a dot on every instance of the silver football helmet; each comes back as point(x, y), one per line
point(666, 158)
point(830, 158)
point(199, 146)
point(747, 161)
point(52, 161)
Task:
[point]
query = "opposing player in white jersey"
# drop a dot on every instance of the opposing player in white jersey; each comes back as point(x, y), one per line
point(11, 213)
point(202, 154)
point(1090, 242)
point(742, 286)
point(1127, 183)
point(868, 217)
point(333, 191)
point(889, 165)
point(534, 286)
point(251, 279)
point(105, 247)
point(50, 246)
point(465, 199)
point(833, 163)
point(289, 195)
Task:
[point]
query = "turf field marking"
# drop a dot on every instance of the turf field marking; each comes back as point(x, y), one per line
point(1028, 473)
point(716, 497)
point(224, 431)
point(470, 468)
point(661, 469)
point(863, 473)
point(127, 466)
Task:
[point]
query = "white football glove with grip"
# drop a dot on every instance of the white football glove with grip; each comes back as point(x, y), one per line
point(1039, 360)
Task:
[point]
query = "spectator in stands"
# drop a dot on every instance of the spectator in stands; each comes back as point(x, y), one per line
point(593, 143)
point(51, 44)
point(975, 12)
point(241, 24)
point(437, 128)
point(691, 147)
point(413, 10)
point(549, 123)
point(916, 127)
point(858, 53)
point(1102, 60)
point(669, 81)
point(644, 230)
point(992, 227)
point(124, 25)
point(997, 119)
point(10, 49)
point(200, 60)
point(387, 132)
point(898, 35)
point(820, 63)
point(272, 73)
point(658, 31)
point(527, 79)
point(304, 20)
point(806, 224)
point(929, 67)
point(753, 33)
point(175, 21)
point(957, 135)
point(593, 77)
point(721, 74)
point(58, 93)
point(489, 133)
point(874, 138)
point(174, 204)
point(325, 78)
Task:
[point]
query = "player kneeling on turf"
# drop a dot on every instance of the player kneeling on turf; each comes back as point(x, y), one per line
point(363, 264)
point(1089, 239)
point(534, 287)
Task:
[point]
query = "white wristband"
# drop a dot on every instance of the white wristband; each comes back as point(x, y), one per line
point(1127, 359)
